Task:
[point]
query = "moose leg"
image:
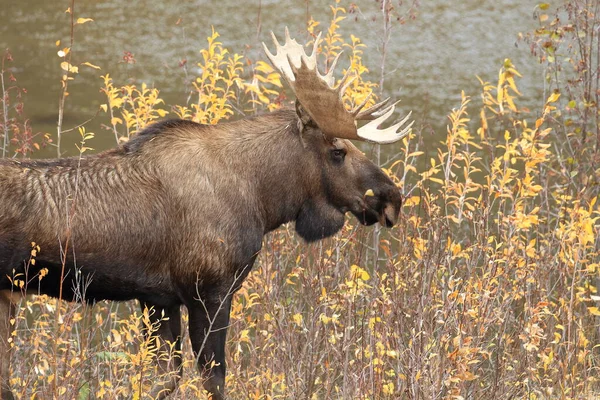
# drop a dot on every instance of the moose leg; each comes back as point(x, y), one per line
point(208, 332)
point(169, 362)
point(7, 310)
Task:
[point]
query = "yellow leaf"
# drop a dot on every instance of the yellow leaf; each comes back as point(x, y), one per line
point(539, 122)
point(553, 97)
point(500, 90)
point(82, 21)
point(68, 67)
point(594, 311)
point(511, 103)
point(514, 72)
point(104, 107)
point(388, 388)
point(87, 64)
point(298, 319)
point(263, 67)
point(412, 201)
point(359, 273)
point(513, 85)
point(369, 192)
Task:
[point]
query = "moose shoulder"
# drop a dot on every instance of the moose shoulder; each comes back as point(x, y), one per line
point(176, 216)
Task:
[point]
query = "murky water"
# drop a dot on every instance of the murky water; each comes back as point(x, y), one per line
point(430, 59)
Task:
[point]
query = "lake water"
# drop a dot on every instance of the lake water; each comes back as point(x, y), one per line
point(430, 59)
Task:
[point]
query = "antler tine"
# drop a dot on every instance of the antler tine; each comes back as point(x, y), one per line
point(289, 39)
point(372, 133)
point(404, 131)
point(357, 109)
point(277, 45)
point(345, 83)
point(329, 75)
point(284, 68)
point(375, 110)
point(316, 45)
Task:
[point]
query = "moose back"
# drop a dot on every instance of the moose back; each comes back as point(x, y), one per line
point(176, 216)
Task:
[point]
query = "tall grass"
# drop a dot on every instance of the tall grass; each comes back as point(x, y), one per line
point(487, 288)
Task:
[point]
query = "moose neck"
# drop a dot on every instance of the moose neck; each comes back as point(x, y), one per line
point(284, 173)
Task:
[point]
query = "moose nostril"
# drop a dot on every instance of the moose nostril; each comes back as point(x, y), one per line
point(390, 215)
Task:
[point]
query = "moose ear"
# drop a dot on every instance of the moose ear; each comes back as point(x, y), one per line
point(304, 119)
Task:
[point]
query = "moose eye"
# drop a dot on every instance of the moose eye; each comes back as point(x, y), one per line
point(337, 155)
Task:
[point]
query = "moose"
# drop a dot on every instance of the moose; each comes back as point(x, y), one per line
point(176, 215)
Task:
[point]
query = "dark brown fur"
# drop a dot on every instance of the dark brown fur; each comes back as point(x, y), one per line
point(179, 211)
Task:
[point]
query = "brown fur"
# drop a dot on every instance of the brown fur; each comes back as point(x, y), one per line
point(180, 211)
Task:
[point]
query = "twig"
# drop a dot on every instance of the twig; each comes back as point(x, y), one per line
point(222, 303)
point(4, 110)
point(65, 82)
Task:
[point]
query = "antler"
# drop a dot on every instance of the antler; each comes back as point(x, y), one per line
point(323, 100)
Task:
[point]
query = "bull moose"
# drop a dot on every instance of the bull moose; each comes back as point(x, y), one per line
point(176, 215)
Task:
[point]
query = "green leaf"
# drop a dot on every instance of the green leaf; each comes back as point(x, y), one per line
point(111, 355)
point(84, 392)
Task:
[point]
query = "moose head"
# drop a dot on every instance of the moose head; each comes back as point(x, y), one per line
point(349, 181)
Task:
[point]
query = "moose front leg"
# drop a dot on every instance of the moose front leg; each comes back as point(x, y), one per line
point(167, 329)
point(209, 320)
point(7, 311)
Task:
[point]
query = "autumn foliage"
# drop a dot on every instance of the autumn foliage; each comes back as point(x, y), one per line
point(488, 288)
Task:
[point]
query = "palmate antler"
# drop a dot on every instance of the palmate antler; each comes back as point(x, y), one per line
point(319, 96)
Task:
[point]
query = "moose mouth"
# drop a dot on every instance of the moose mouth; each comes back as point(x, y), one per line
point(384, 214)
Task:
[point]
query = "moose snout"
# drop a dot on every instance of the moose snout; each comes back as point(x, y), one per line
point(381, 205)
point(392, 202)
point(389, 216)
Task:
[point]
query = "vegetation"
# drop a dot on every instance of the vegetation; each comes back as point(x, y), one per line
point(488, 288)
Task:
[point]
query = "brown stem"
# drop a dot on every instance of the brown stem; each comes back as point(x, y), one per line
point(65, 82)
point(4, 111)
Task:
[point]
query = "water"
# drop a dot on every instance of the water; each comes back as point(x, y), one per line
point(430, 59)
